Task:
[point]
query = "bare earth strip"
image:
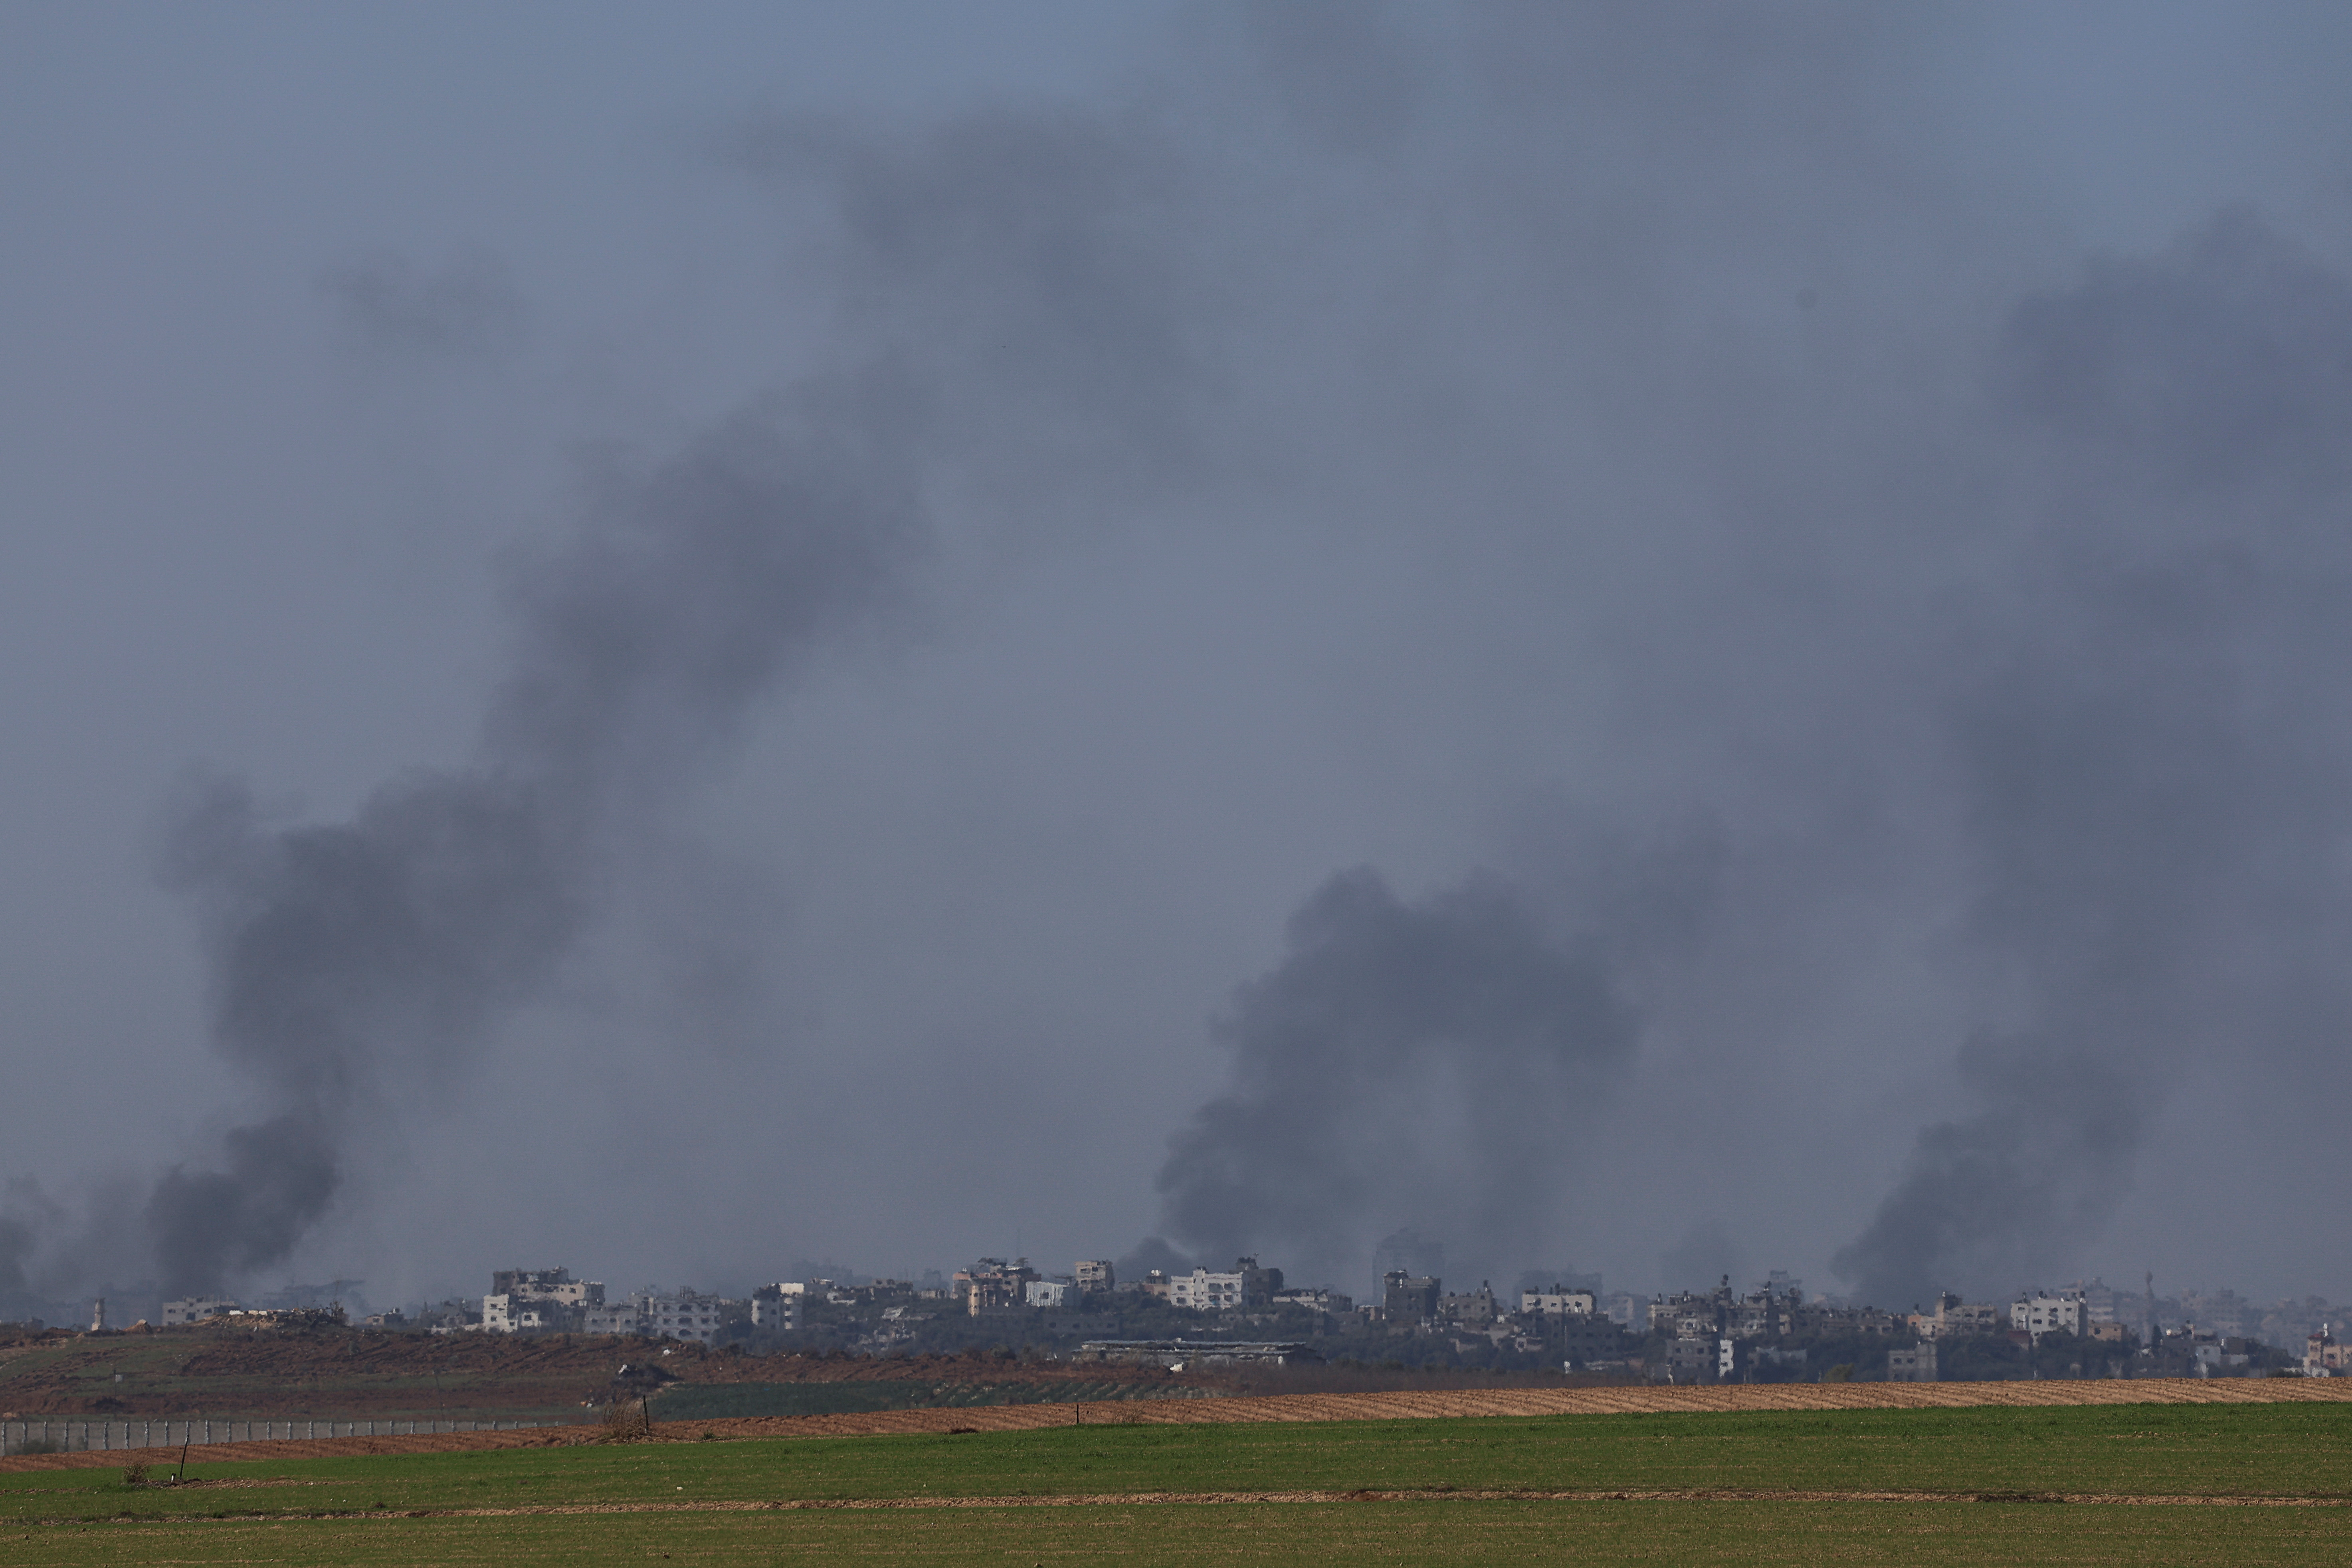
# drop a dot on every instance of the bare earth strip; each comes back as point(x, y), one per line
point(1626, 1400)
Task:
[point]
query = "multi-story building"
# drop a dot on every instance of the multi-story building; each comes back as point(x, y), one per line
point(1955, 1318)
point(1245, 1285)
point(537, 1301)
point(2040, 1314)
point(196, 1308)
point(1471, 1309)
point(554, 1286)
point(684, 1315)
point(993, 1285)
point(1556, 1301)
point(776, 1308)
point(1410, 1297)
point(1584, 1338)
point(1318, 1301)
point(1052, 1292)
point(1095, 1275)
point(1690, 1357)
point(1912, 1364)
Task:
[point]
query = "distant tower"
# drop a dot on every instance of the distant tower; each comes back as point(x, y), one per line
point(98, 1315)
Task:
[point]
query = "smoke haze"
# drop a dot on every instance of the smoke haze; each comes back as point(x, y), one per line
point(1674, 635)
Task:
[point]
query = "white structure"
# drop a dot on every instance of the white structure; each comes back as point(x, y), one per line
point(2040, 1315)
point(1913, 1364)
point(687, 1315)
point(1556, 1303)
point(1318, 1299)
point(778, 1307)
point(196, 1308)
point(1246, 1286)
point(512, 1314)
point(1052, 1292)
point(1202, 1291)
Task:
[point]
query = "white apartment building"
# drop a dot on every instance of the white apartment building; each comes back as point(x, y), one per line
point(1205, 1292)
point(2040, 1315)
point(778, 1306)
point(512, 1314)
point(1052, 1292)
point(686, 1315)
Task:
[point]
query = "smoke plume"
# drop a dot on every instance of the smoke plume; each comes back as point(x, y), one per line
point(351, 956)
point(2151, 758)
point(1425, 439)
point(1405, 1059)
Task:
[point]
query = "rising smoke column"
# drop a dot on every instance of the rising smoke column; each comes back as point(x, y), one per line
point(354, 961)
point(352, 956)
point(2151, 758)
point(1406, 1059)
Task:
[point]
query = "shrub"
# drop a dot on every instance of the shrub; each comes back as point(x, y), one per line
point(626, 1421)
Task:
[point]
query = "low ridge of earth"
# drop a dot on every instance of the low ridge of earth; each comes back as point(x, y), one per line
point(1333, 1407)
point(213, 1369)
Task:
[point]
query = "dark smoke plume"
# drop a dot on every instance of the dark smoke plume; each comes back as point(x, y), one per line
point(1404, 1060)
point(353, 957)
point(2151, 761)
point(359, 962)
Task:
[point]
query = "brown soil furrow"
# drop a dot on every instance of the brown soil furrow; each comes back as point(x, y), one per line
point(1298, 1407)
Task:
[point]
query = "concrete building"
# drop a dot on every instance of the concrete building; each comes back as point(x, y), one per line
point(1471, 1309)
point(554, 1286)
point(1690, 1359)
point(538, 1301)
point(2039, 1315)
point(1913, 1364)
point(684, 1315)
point(1330, 1302)
point(1954, 1318)
point(1584, 1338)
point(196, 1308)
point(1244, 1285)
point(777, 1308)
point(993, 1285)
point(1556, 1301)
point(1410, 1297)
point(1095, 1275)
point(1054, 1293)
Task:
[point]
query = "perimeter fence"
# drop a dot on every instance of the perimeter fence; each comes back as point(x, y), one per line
point(74, 1437)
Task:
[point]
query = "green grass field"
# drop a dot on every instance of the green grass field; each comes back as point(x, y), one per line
point(685, 1501)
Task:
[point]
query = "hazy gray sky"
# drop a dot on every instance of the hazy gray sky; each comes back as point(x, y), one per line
point(675, 637)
